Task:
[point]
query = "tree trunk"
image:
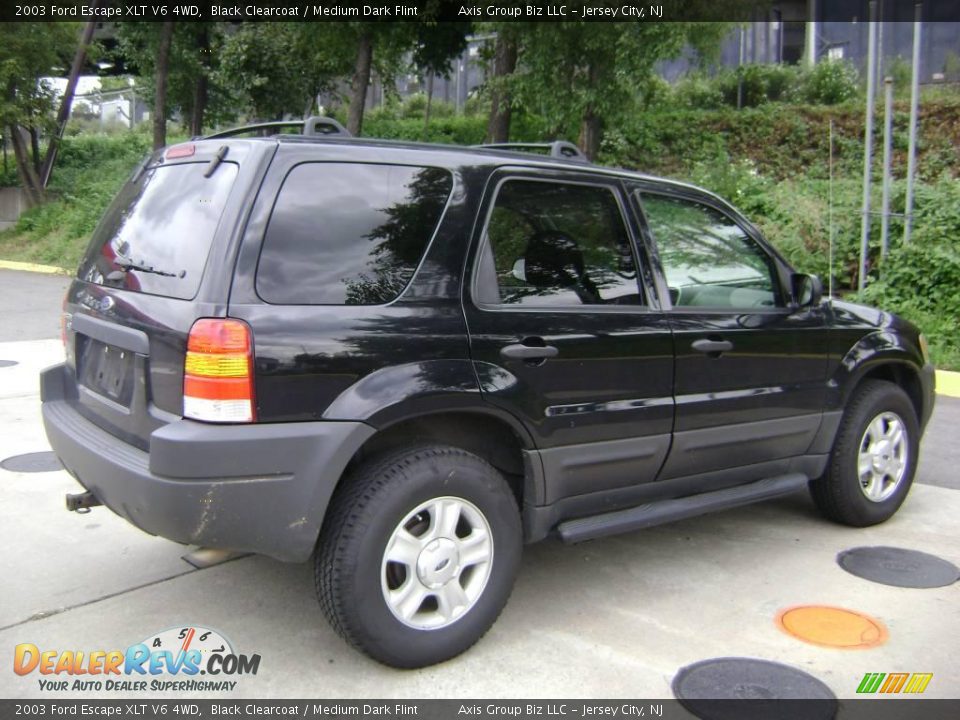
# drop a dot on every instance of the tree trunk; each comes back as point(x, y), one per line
point(504, 63)
point(35, 149)
point(29, 178)
point(200, 89)
point(63, 114)
point(199, 106)
point(162, 74)
point(426, 112)
point(591, 124)
point(591, 129)
point(358, 86)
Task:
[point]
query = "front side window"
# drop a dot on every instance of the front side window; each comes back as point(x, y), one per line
point(557, 244)
point(708, 260)
point(349, 233)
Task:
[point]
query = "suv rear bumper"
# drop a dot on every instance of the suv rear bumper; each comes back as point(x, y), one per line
point(260, 488)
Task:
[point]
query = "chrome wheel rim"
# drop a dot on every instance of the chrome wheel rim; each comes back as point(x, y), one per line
point(437, 563)
point(882, 460)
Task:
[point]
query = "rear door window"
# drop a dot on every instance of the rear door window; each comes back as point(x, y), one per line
point(156, 235)
point(349, 233)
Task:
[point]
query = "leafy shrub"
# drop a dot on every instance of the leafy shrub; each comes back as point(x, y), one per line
point(697, 92)
point(830, 82)
point(922, 283)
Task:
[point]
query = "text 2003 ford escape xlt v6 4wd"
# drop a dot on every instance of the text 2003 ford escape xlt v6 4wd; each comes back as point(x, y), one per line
point(406, 360)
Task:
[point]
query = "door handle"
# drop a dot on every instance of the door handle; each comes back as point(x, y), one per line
point(712, 347)
point(520, 351)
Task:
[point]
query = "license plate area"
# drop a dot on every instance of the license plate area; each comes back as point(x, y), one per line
point(106, 370)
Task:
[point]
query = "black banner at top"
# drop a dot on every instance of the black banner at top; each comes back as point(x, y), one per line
point(459, 10)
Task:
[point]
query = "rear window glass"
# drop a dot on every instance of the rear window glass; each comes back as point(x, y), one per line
point(349, 233)
point(156, 235)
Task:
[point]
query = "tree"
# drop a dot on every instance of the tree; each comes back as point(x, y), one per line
point(501, 68)
point(29, 52)
point(588, 72)
point(192, 88)
point(379, 46)
point(437, 45)
point(280, 68)
point(160, 97)
point(66, 102)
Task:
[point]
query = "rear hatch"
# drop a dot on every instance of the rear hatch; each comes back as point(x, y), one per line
point(160, 258)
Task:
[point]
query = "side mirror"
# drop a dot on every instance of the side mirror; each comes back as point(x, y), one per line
point(807, 290)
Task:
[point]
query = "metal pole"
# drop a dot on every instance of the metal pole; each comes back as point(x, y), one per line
point(830, 214)
point(740, 72)
point(887, 150)
point(868, 145)
point(914, 108)
point(810, 58)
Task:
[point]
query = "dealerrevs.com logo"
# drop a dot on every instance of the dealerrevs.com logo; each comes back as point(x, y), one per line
point(171, 660)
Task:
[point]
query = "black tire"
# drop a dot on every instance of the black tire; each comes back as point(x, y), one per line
point(839, 493)
point(352, 574)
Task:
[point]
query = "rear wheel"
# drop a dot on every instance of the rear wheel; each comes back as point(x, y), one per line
point(418, 555)
point(874, 457)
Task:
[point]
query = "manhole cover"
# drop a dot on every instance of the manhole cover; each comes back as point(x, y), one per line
point(735, 688)
point(832, 627)
point(7, 363)
point(899, 567)
point(32, 463)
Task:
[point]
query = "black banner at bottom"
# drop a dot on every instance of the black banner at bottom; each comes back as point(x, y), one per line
point(148, 709)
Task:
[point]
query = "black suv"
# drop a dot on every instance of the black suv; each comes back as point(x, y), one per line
point(404, 361)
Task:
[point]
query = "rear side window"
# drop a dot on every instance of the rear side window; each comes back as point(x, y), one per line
point(349, 233)
point(156, 235)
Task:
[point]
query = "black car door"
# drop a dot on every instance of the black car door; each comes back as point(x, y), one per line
point(565, 332)
point(750, 373)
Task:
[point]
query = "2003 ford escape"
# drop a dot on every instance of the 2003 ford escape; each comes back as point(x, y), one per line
point(404, 361)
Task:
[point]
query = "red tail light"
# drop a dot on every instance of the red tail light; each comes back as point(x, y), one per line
point(180, 151)
point(218, 372)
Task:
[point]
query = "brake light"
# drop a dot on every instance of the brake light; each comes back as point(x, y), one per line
point(218, 372)
point(180, 151)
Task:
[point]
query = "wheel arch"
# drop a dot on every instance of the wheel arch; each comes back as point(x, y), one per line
point(493, 435)
point(883, 356)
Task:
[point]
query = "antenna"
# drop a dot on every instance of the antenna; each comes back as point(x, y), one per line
point(830, 215)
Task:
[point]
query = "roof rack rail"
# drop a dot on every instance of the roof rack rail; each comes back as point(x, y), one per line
point(315, 125)
point(557, 148)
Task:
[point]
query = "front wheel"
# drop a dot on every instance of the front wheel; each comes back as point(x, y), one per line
point(874, 457)
point(418, 555)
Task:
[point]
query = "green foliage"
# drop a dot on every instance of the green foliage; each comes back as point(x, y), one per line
point(454, 129)
point(830, 82)
point(28, 52)
point(696, 91)
point(90, 171)
point(196, 50)
point(922, 282)
point(255, 62)
point(951, 67)
point(757, 84)
point(573, 72)
point(901, 71)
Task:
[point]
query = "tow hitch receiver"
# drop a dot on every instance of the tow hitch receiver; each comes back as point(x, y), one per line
point(82, 502)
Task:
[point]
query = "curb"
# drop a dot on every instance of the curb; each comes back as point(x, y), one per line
point(948, 383)
point(33, 267)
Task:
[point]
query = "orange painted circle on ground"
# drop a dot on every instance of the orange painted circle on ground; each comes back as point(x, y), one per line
point(832, 627)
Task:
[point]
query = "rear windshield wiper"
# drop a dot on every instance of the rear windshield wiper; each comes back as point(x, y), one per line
point(125, 267)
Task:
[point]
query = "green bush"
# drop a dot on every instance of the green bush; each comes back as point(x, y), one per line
point(697, 92)
point(830, 82)
point(922, 282)
point(760, 84)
